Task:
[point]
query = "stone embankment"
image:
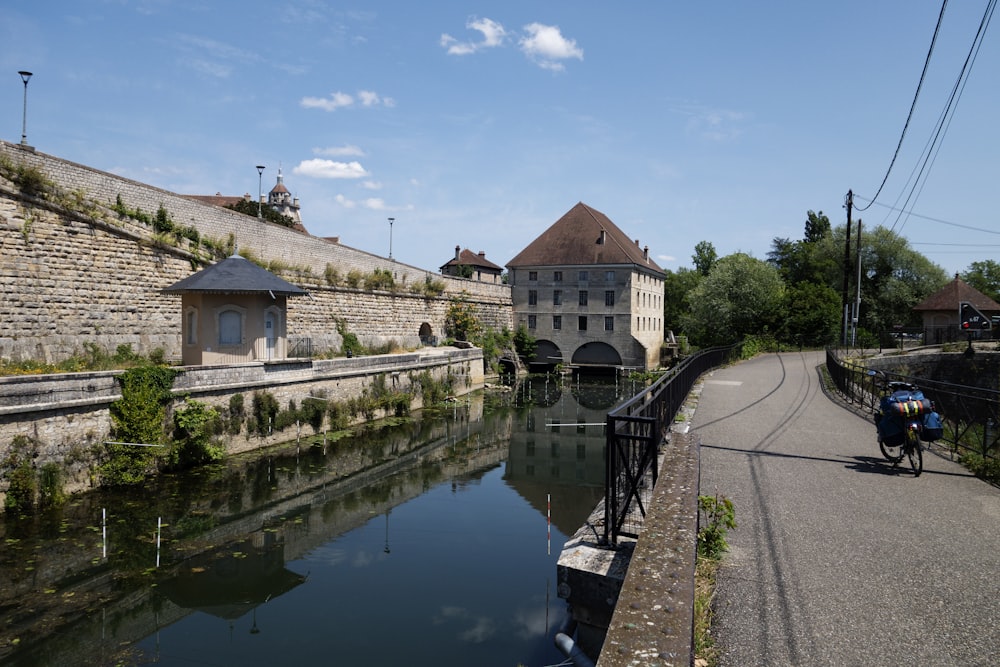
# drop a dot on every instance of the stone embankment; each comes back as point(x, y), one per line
point(66, 418)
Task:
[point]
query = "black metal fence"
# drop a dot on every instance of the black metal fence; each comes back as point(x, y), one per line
point(971, 415)
point(300, 348)
point(635, 430)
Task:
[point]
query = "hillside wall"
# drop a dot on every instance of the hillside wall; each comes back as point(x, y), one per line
point(75, 272)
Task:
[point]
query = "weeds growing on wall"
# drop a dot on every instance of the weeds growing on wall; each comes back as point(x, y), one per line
point(195, 441)
point(263, 412)
point(19, 469)
point(93, 357)
point(138, 420)
point(720, 517)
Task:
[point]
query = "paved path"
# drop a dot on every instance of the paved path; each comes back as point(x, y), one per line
point(837, 558)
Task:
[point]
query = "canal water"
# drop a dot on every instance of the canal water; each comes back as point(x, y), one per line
point(428, 542)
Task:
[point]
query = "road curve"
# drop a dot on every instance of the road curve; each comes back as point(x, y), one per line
point(838, 559)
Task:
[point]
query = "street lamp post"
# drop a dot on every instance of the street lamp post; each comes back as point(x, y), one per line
point(260, 176)
point(391, 220)
point(24, 118)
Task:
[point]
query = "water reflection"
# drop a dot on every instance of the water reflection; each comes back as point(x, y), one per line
point(263, 535)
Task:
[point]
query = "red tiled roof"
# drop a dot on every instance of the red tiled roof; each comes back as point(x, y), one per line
point(216, 200)
point(583, 236)
point(957, 290)
point(469, 258)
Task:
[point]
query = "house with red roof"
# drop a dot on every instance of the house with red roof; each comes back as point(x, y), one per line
point(475, 266)
point(589, 295)
point(940, 311)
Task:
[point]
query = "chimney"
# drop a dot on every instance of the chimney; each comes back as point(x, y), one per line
point(604, 236)
point(458, 251)
point(637, 243)
point(645, 253)
point(482, 253)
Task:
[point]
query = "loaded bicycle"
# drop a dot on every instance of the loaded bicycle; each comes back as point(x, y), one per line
point(905, 419)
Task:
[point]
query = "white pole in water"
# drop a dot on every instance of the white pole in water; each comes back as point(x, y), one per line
point(158, 525)
point(548, 520)
point(104, 530)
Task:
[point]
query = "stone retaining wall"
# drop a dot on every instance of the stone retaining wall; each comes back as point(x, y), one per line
point(66, 417)
point(74, 272)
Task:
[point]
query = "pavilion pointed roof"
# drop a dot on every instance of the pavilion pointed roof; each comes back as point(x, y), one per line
point(235, 274)
point(583, 236)
point(948, 298)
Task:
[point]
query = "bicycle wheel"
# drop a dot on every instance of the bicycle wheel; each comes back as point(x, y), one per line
point(913, 451)
point(893, 454)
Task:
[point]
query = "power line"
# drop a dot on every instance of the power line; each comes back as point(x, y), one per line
point(913, 104)
point(927, 217)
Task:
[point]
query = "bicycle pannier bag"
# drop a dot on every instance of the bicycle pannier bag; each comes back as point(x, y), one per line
point(890, 429)
point(933, 427)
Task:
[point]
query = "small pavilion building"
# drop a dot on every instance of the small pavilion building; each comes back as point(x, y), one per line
point(234, 312)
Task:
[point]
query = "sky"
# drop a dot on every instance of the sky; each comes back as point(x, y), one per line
point(479, 124)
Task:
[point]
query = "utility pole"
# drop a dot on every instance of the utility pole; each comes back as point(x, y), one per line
point(847, 267)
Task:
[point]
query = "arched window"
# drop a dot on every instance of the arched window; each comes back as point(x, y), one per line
point(191, 326)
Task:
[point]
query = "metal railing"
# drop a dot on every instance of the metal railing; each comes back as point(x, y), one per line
point(300, 348)
point(635, 430)
point(971, 415)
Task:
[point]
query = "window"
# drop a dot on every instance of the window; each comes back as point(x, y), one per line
point(557, 297)
point(583, 277)
point(532, 322)
point(582, 323)
point(609, 276)
point(557, 276)
point(532, 275)
point(557, 321)
point(583, 297)
point(609, 324)
point(609, 297)
point(532, 297)
point(191, 327)
point(230, 327)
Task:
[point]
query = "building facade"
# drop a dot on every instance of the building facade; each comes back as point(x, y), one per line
point(589, 295)
point(473, 266)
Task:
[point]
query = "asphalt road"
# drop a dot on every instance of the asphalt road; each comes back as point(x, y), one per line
point(838, 559)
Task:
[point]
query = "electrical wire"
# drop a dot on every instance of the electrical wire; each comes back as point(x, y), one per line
point(913, 104)
point(930, 153)
point(927, 217)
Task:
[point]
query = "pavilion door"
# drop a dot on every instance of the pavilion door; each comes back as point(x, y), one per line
point(270, 333)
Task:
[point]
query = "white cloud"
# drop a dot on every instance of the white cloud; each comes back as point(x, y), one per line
point(546, 45)
point(345, 202)
point(493, 35)
point(340, 151)
point(371, 185)
point(330, 169)
point(374, 203)
point(341, 100)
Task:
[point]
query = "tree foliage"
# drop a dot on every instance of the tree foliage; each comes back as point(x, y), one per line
point(985, 277)
point(741, 296)
point(704, 257)
point(249, 207)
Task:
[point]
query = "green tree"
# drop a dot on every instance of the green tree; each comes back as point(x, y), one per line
point(461, 321)
point(985, 277)
point(249, 207)
point(677, 286)
point(704, 257)
point(811, 315)
point(741, 296)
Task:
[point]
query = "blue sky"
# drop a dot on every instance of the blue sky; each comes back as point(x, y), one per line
point(481, 123)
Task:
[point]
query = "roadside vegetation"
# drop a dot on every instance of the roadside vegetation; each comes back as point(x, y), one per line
point(718, 517)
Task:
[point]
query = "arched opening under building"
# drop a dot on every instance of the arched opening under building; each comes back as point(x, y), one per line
point(547, 356)
point(597, 354)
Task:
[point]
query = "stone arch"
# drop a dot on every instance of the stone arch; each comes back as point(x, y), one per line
point(596, 353)
point(547, 352)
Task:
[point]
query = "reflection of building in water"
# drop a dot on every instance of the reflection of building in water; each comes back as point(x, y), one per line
point(231, 581)
point(557, 446)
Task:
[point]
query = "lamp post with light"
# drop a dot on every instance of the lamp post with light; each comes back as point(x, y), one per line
point(260, 176)
point(24, 118)
point(391, 220)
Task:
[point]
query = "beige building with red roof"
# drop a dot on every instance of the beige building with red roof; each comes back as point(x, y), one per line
point(589, 295)
point(471, 265)
point(940, 311)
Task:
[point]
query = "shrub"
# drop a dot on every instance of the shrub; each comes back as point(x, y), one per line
point(265, 411)
point(720, 518)
point(195, 427)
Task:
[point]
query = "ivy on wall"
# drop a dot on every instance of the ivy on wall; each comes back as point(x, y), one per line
point(138, 421)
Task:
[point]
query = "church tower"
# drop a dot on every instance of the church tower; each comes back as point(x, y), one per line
point(280, 199)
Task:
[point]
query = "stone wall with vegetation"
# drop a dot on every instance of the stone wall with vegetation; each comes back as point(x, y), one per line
point(55, 429)
point(85, 254)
